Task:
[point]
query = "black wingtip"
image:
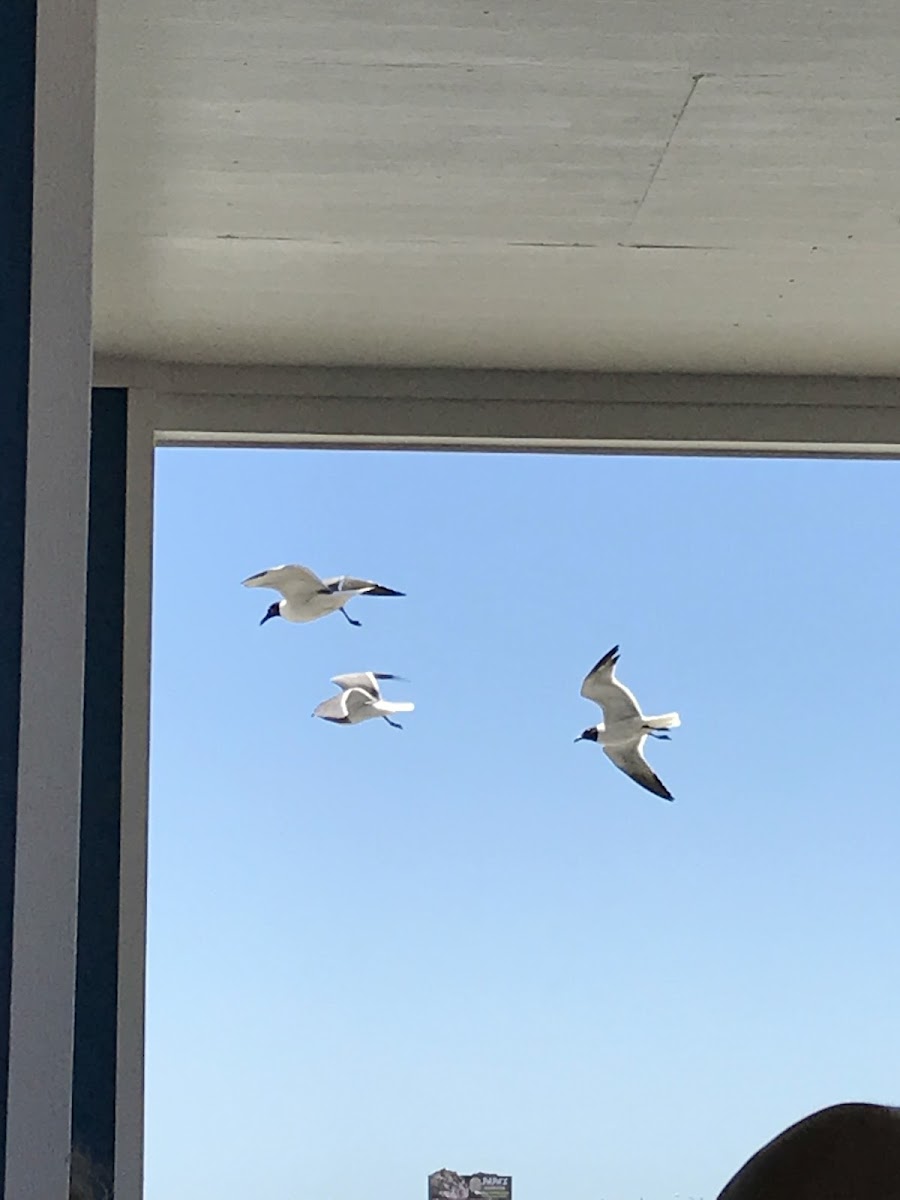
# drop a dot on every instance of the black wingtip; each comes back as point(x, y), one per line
point(610, 658)
point(383, 591)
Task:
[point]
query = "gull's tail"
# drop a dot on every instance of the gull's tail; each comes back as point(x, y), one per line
point(666, 721)
point(395, 706)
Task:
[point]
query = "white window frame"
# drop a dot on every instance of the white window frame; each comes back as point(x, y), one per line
point(519, 411)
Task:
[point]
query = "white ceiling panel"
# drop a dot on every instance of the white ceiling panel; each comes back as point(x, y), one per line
point(797, 159)
point(696, 185)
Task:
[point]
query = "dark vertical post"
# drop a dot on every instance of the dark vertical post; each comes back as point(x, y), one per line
point(96, 987)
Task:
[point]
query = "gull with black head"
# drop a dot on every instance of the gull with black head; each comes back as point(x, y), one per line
point(361, 700)
point(625, 729)
point(306, 597)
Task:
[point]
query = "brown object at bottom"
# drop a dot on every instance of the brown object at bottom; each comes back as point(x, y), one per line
point(845, 1152)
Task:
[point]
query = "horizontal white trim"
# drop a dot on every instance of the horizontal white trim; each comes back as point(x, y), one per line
point(535, 445)
point(636, 425)
point(445, 383)
point(517, 410)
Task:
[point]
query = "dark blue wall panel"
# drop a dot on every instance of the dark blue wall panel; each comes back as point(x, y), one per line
point(96, 991)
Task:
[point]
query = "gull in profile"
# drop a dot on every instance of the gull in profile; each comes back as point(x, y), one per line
point(625, 728)
point(307, 597)
point(361, 700)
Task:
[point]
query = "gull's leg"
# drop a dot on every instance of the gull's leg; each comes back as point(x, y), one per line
point(663, 737)
point(344, 612)
point(396, 724)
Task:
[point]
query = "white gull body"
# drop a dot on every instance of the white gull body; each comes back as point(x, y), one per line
point(361, 700)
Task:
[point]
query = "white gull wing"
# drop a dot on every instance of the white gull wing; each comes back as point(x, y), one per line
point(345, 707)
point(363, 679)
point(630, 759)
point(601, 686)
point(296, 583)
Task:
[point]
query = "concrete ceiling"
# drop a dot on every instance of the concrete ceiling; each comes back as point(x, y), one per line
point(691, 185)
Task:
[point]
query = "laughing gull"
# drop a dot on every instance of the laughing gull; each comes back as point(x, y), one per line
point(307, 597)
point(626, 728)
point(360, 700)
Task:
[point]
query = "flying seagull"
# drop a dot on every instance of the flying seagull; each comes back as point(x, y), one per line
point(360, 700)
point(307, 597)
point(626, 728)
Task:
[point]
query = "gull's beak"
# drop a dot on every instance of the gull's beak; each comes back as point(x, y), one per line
point(267, 617)
point(579, 738)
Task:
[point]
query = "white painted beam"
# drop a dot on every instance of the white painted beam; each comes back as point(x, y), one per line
point(49, 783)
point(520, 410)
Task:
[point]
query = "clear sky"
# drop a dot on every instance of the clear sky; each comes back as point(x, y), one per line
point(474, 944)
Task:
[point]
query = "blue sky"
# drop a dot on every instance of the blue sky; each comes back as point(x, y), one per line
point(473, 943)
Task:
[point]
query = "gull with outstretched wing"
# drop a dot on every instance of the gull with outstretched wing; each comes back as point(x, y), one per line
point(625, 728)
point(306, 597)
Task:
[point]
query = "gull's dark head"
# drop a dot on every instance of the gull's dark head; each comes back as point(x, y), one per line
point(272, 611)
point(589, 735)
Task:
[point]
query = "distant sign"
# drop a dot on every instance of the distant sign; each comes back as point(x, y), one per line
point(447, 1185)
